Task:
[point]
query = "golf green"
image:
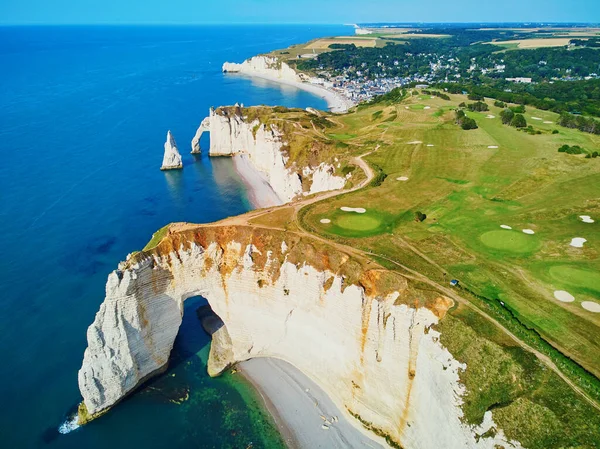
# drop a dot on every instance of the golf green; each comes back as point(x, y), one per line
point(357, 222)
point(576, 277)
point(511, 241)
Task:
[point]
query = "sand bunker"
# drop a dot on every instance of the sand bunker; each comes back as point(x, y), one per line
point(430, 145)
point(548, 122)
point(586, 219)
point(406, 107)
point(325, 220)
point(402, 178)
point(564, 296)
point(358, 210)
point(427, 107)
point(493, 147)
point(505, 227)
point(535, 118)
point(591, 306)
point(528, 231)
point(578, 242)
point(491, 116)
point(414, 142)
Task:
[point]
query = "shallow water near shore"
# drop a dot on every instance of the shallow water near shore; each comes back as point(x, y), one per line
point(84, 114)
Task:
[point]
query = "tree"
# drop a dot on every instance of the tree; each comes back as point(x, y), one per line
point(518, 109)
point(478, 106)
point(518, 121)
point(506, 116)
point(462, 105)
point(468, 123)
point(499, 104)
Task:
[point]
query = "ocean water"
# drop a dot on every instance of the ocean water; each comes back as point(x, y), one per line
point(84, 113)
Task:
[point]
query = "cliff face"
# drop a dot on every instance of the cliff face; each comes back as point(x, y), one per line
point(267, 66)
point(172, 158)
point(362, 333)
point(231, 133)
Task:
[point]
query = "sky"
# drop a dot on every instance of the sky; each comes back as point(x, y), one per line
point(294, 11)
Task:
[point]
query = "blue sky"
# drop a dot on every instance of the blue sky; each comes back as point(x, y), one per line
point(296, 11)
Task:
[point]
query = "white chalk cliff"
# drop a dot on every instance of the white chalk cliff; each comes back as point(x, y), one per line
point(267, 66)
point(368, 345)
point(172, 158)
point(231, 134)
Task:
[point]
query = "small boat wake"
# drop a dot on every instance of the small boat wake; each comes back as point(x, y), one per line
point(69, 425)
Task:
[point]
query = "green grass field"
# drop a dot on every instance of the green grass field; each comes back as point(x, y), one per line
point(467, 191)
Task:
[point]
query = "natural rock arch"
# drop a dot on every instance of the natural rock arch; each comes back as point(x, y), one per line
point(362, 333)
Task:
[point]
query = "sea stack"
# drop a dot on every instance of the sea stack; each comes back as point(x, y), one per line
point(172, 158)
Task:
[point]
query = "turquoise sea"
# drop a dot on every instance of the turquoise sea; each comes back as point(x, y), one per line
point(84, 113)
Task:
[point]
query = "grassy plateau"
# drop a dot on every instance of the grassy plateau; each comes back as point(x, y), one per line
point(478, 191)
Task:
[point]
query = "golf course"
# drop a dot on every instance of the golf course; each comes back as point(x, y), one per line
point(496, 209)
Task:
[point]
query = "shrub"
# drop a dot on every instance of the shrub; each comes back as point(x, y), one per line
point(462, 105)
point(468, 123)
point(575, 149)
point(595, 154)
point(555, 131)
point(420, 216)
point(464, 121)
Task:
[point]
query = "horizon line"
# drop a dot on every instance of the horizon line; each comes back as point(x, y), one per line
point(367, 24)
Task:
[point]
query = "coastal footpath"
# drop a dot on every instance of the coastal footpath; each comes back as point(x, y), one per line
point(362, 333)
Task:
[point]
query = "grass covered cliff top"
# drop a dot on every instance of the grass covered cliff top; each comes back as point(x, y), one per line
point(309, 137)
point(279, 246)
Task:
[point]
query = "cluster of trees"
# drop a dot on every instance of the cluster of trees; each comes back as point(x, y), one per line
point(544, 63)
point(437, 93)
point(592, 42)
point(559, 96)
point(465, 122)
point(478, 106)
point(509, 117)
point(575, 149)
point(588, 125)
point(519, 109)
